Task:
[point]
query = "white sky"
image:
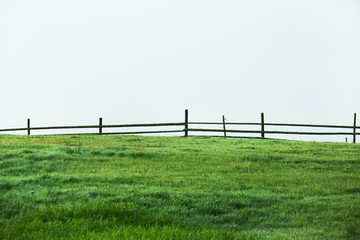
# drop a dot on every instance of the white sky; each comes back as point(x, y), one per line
point(70, 62)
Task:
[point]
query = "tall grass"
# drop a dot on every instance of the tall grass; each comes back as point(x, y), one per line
point(128, 187)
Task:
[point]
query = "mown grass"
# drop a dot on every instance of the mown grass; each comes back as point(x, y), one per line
point(131, 187)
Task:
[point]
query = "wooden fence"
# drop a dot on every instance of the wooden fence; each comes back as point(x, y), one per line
point(187, 127)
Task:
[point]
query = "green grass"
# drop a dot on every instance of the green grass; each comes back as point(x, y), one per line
point(129, 187)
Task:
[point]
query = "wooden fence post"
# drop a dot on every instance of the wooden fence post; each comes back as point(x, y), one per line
point(262, 126)
point(100, 126)
point(354, 131)
point(28, 126)
point(186, 123)
point(223, 118)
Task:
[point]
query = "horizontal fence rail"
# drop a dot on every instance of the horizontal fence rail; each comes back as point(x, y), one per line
point(122, 133)
point(188, 127)
point(270, 132)
point(273, 124)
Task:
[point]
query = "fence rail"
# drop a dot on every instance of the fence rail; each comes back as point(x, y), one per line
point(273, 124)
point(187, 130)
point(270, 132)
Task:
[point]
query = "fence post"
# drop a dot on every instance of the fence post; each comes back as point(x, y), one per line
point(223, 118)
point(28, 126)
point(354, 131)
point(186, 123)
point(262, 126)
point(100, 126)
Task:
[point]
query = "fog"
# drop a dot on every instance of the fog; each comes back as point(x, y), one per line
point(71, 62)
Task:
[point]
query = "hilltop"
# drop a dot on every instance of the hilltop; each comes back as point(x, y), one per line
point(133, 187)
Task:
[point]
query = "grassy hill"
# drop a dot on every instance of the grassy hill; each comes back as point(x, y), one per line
point(131, 187)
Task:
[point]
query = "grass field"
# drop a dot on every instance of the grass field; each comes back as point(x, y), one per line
point(132, 187)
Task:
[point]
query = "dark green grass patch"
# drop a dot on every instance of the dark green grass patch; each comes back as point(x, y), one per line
point(131, 187)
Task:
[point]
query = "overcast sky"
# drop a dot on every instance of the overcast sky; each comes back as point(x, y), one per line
point(70, 62)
